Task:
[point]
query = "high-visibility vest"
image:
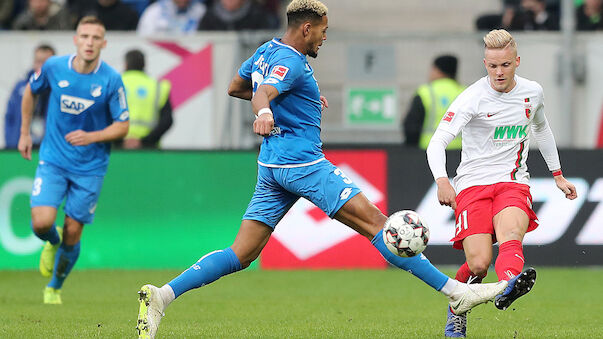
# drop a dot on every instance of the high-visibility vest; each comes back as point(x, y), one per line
point(146, 96)
point(436, 97)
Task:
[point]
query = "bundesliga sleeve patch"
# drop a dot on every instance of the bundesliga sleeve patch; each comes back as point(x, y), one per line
point(279, 72)
point(448, 116)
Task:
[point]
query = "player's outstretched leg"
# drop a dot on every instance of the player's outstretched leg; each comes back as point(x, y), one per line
point(518, 286)
point(52, 240)
point(153, 301)
point(462, 297)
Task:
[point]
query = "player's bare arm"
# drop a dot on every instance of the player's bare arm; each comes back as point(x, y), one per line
point(27, 106)
point(116, 130)
point(446, 193)
point(260, 104)
point(240, 88)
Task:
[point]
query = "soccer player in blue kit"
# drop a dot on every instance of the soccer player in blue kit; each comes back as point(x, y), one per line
point(87, 109)
point(286, 100)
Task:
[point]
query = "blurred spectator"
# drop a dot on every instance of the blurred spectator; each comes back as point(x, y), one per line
point(171, 17)
point(12, 118)
point(431, 102)
point(525, 15)
point(533, 15)
point(275, 7)
point(149, 104)
point(237, 15)
point(116, 15)
point(489, 22)
point(7, 8)
point(588, 15)
point(44, 15)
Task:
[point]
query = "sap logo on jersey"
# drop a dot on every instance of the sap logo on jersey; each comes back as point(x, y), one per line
point(74, 105)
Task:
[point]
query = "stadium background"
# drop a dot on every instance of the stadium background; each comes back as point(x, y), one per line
point(191, 201)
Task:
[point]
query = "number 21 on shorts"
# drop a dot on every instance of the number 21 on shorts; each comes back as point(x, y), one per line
point(461, 223)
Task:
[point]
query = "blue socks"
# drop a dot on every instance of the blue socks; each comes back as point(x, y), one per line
point(65, 259)
point(208, 269)
point(219, 263)
point(418, 265)
point(52, 235)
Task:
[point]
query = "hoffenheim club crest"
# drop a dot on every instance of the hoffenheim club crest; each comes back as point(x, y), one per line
point(95, 90)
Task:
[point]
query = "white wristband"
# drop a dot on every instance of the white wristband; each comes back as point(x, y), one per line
point(263, 111)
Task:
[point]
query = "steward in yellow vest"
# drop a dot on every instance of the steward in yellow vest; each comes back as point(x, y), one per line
point(149, 104)
point(431, 102)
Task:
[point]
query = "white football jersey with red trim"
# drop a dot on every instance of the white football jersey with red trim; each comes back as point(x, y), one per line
point(496, 129)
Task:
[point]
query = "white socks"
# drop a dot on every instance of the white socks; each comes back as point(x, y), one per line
point(449, 286)
point(167, 295)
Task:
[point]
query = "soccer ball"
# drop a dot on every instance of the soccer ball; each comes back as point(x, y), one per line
point(405, 234)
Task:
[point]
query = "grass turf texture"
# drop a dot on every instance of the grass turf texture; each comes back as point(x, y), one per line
point(565, 303)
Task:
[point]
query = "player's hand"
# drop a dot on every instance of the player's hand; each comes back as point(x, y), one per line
point(566, 187)
point(446, 193)
point(132, 143)
point(24, 146)
point(79, 138)
point(263, 124)
point(324, 102)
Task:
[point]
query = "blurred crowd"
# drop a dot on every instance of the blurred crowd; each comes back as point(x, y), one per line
point(542, 15)
point(147, 17)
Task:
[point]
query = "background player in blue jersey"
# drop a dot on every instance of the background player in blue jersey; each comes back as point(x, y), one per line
point(86, 109)
point(286, 99)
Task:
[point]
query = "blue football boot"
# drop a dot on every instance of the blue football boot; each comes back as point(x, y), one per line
point(456, 325)
point(518, 286)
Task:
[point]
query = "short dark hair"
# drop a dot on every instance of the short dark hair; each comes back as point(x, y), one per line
point(90, 19)
point(46, 48)
point(447, 64)
point(134, 60)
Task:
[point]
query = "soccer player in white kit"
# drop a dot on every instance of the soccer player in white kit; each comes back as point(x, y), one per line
point(497, 116)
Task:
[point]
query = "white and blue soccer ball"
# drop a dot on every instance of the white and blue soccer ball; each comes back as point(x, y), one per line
point(405, 234)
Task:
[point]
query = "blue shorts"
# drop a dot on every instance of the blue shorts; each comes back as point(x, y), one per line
point(277, 189)
point(52, 184)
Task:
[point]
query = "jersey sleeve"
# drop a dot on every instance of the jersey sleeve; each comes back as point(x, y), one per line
point(38, 81)
point(246, 67)
point(284, 73)
point(118, 106)
point(544, 135)
point(458, 114)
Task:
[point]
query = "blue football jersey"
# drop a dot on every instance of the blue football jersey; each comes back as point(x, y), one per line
point(295, 139)
point(89, 102)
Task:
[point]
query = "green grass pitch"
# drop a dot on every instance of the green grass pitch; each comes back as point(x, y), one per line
point(565, 303)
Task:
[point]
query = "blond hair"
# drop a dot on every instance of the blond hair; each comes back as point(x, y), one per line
point(314, 6)
point(90, 19)
point(499, 39)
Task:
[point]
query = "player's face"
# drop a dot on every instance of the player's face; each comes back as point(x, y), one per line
point(501, 65)
point(89, 40)
point(318, 34)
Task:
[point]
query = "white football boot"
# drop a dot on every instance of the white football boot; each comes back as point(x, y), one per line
point(150, 311)
point(466, 296)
